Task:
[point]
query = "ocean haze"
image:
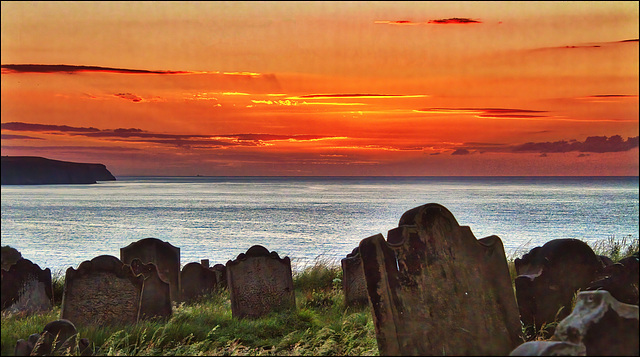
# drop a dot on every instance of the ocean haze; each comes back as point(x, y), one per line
point(217, 218)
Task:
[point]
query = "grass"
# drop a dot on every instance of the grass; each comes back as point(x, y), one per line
point(320, 324)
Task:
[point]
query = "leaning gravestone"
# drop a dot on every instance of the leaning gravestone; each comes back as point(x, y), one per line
point(26, 288)
point(260, 282)
point(437, 290)
point(196, 280)
point(156, 299)
point(103, 291)
point(353, 283)
point(547, 279)
point(165, 256)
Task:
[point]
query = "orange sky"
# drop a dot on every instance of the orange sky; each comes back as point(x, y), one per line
point(324, 88)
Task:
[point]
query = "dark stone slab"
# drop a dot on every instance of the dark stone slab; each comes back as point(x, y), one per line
point(156, 299)
point(26, 288)
point(605, 326)
point(548, 278)
point(221, 274)
point(30, 170)
point(260, 282)
point(620, 280)
point(58, 338)
point(353, 283)
point(165, 256)
point(196, 280)
point(9, 256)
point(102, 291)
point(435, 289)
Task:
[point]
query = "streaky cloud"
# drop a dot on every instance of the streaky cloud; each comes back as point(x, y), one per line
point(65, 68)
point(455, 20)
point(18, 126)
point(592, 144)
point(18, 137)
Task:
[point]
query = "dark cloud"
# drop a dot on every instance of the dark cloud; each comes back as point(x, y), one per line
point(490, 112)
point(583, 155)
point(455, 20)
point(18, 126)
point(351, 95)
point(461, 152)
point(18, 137)
point(178, 140)
point(588, 45)
point(64, 68)
point(593, 144)
point(129, 96)
point(630, 40)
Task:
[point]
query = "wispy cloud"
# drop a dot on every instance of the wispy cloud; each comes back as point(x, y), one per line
point(65, 68)
point(133, 135)
point(593, 144)
point(587, 45)
point(357, 96)
point(447, 21)
point(18, 137)
point(129, 96)
point(488, 112)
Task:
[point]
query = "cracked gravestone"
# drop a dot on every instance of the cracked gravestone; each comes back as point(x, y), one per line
point(156, 300)
point(435, 289)
point(165, 256)
point(26, 288)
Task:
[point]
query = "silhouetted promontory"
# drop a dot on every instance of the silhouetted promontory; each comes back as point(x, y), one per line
point(32, 170)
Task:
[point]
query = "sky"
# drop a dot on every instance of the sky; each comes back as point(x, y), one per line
point(324, 88)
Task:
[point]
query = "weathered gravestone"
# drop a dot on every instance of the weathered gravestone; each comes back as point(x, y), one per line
point(599, 325)
point(260, 282)
point(547, 279)
point(620, 280)
point(26, 288)
point(58, 338)
point(9, 256)
point(103, 291)
point(353, 283)
point(165, 256)
point(196, 280)
point(156, 299)
point(437, 290)
point(221, 274)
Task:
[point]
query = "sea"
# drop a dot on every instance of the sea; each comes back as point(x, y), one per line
point(308, 219)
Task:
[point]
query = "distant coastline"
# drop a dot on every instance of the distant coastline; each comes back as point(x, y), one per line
point(33, 170)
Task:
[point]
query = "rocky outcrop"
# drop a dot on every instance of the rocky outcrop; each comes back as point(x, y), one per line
point(30, 170)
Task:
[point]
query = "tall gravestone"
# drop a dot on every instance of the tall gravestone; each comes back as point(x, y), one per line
point(156, 299)
point(260, 282)
point(165, 256)
point(102, 291)
point(26, 287)
point(437, 290)
point(353, 283)
point(548, 278)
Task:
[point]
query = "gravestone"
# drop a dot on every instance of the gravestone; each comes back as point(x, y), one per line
point(9, 256)
point(156, 299)
point(26, 288)
point(259, 282)
point(102, 291)
point(165, 256)
point(353, 283)
point(58, 338)
point(599, 325)
point(437, 290)
point(547, 279)
point(196, 280)
point(620, 280)
point(221, 274)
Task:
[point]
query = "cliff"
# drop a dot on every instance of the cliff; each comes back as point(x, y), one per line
point(30, 170)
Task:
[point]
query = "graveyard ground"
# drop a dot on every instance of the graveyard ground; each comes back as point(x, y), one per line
point(320, 325)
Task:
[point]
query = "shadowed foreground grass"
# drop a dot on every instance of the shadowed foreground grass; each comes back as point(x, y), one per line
point(320, 325)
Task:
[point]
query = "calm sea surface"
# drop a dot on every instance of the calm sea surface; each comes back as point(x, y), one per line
point(217, 218)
